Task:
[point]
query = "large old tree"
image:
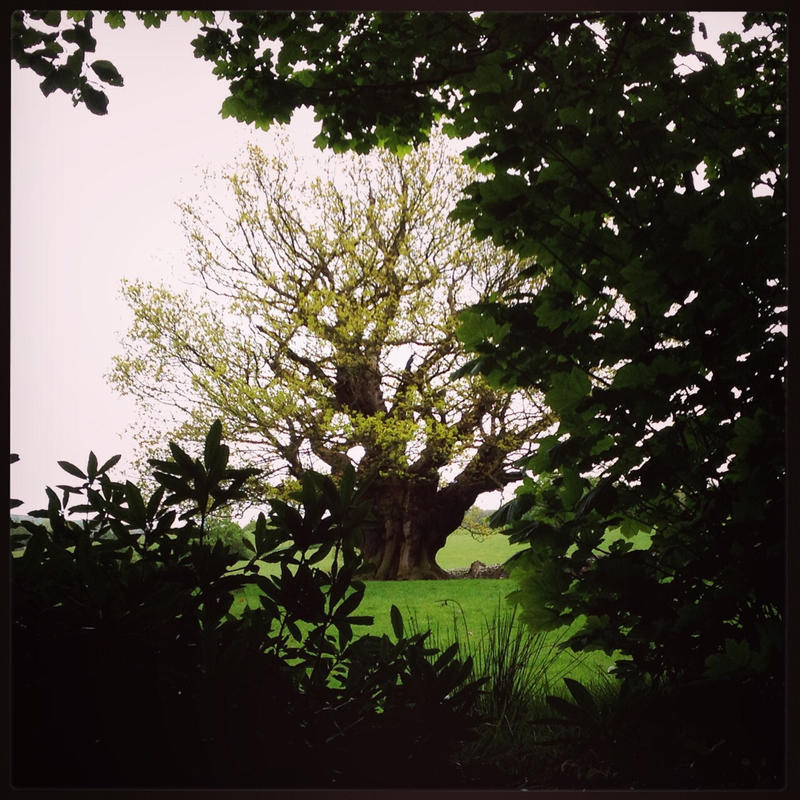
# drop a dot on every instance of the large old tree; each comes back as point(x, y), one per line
point(323, 330)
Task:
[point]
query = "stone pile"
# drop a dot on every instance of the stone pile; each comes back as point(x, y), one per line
point(479, 570)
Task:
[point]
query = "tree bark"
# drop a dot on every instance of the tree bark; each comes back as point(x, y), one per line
point(411, 522)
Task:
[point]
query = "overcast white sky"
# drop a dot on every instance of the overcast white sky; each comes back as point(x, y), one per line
point(93, 201)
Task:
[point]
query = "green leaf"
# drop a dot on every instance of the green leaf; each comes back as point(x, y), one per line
point(107, 72)
point(91, 467)
point(96, 499)
point(361, 620)
point(581, 696)
point(349, 604)
point(737, 659)
point(154, 502)
point(212, 444)
point(630, 527)
point(53, 18)
point(345, 632)
point(81, 508)
point(182, 460)
point(397, 621)
point(347, 486)
point(319, 553)
point(477, 326)
point(174, 483)
point(572, 488)
point(446, 657)
point(567, 389)
point(96, 101)
point(260, 534)
point(115, 19)
point(170, 467)
point(109, 464)
point(152, 19)
point(80, 36)
point(135, 502)
point(305, 77)
point(54, 504)
point(71, 469)
point(579, 117)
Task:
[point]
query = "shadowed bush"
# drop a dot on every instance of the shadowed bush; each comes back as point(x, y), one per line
point(129, 669)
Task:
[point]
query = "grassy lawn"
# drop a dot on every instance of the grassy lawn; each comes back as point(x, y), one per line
point(462, 549)
point(462, 607)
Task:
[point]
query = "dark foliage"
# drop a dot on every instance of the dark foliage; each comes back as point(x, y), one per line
point(711, 734)
point(129, 668)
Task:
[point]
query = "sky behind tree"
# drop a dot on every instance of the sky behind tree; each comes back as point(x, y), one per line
point(93, 201)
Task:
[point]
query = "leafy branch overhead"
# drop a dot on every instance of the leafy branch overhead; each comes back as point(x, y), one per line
point(58, 46)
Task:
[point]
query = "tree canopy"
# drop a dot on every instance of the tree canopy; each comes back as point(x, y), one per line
point(324, 331)
point(647, 189)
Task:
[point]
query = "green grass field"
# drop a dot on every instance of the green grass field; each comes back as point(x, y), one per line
point(462, 607)
point(462, 549)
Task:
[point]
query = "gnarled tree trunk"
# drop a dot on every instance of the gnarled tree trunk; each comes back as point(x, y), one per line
point(412, 520)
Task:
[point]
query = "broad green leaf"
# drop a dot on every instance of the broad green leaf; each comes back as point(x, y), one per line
point(107, 72)
point(212, 444)
point(397, 621)
point(630, 527)
point(477, 326)
point(91, 466)
point(135, 502)
point(72, 469)
point(572, 488)
point(567, 389)
point(361, 620)
point(349, 604)
point(54, 504)
point(96, 101)
point(109, 464)
point(581, 696)
point(115, 19)
point(305, 77)
point(53, 18)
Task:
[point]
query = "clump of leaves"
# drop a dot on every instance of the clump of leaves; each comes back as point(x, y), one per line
point(129, 667)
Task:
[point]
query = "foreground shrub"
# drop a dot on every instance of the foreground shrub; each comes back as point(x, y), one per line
point(129, 669)
point(713, 734)
point(541, 730)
